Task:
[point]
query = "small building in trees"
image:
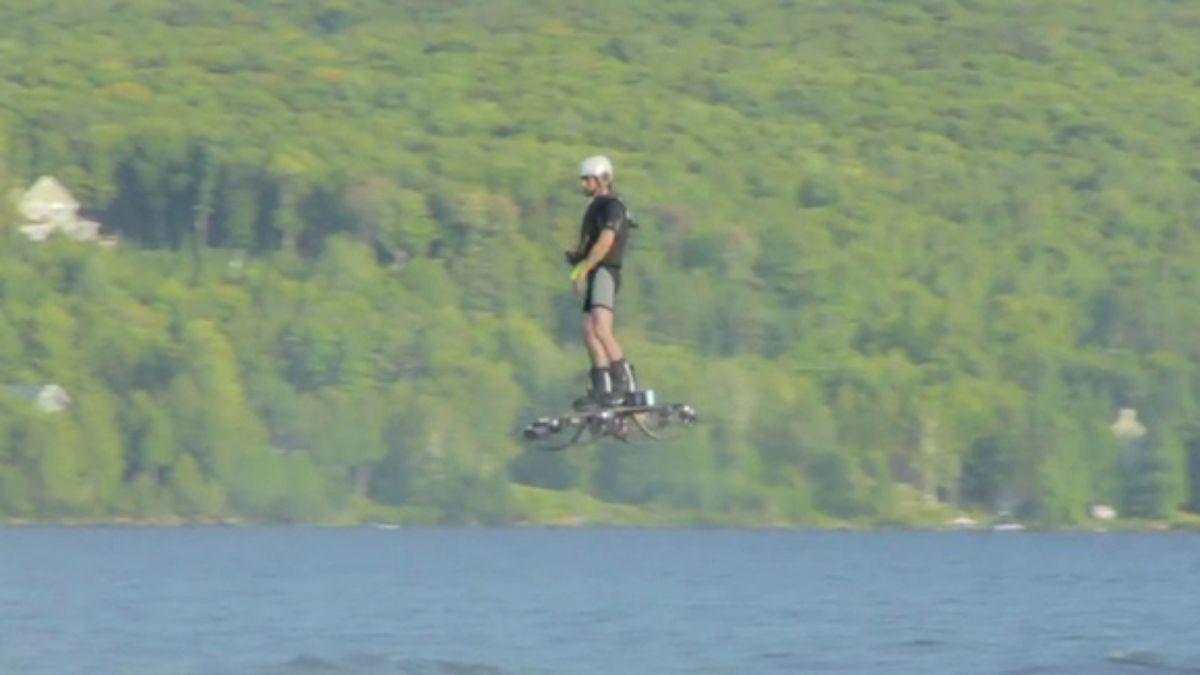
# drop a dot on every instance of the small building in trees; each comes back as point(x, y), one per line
point(1128, 427)
point(49, 398)
point(50, 209)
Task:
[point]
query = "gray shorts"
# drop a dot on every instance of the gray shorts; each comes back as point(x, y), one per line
point(603, 284)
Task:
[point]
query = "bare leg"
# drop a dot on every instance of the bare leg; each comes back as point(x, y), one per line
point(596, 350)
point(602, 328)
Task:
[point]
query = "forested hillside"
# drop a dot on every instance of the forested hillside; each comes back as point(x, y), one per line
point(904, 257)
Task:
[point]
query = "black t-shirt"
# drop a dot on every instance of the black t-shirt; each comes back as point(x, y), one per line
point(605, 212)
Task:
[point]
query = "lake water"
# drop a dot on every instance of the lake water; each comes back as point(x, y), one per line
point(307, 601)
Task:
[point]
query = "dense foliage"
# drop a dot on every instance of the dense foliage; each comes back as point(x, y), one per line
point(895, 252)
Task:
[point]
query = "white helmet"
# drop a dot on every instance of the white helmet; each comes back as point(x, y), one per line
point(597, 166)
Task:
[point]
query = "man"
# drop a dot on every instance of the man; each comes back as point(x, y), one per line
point(596, 273)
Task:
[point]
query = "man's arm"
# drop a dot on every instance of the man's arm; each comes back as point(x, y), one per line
point(613, 219)
point(600, 249)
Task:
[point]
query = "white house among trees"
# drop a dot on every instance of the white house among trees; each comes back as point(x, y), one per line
point(49, 208)
point(49, 398)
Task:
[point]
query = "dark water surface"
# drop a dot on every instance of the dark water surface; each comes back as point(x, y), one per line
point(303, 601)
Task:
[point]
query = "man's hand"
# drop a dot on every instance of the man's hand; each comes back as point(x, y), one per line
point(579, 275)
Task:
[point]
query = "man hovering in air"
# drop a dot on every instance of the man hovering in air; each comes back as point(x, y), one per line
point(614, 407)
point(596, 273)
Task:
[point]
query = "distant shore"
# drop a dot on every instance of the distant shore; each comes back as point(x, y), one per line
point(1185, 523)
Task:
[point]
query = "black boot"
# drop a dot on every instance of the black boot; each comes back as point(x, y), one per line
point(624, 382)
point(600, 392)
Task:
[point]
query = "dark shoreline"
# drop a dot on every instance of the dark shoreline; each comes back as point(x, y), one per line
point(245, 523)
